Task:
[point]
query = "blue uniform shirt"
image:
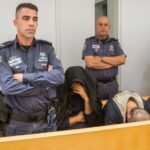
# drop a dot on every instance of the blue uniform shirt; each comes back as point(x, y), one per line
point(38, 85)
point(94, 47)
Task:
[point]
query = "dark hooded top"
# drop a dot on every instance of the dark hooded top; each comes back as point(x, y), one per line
point(72, 104)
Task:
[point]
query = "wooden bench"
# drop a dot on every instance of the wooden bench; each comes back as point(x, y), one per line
point(131, 136)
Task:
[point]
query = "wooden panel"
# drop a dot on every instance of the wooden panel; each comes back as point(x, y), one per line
point(145, 97)
point(131, 136)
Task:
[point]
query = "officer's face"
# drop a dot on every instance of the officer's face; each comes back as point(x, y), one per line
point(26, 23)
point(102, 26)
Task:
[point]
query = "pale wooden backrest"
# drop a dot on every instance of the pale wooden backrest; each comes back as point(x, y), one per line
point(131, 136)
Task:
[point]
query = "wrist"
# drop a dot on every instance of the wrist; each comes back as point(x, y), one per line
point(85, 97)
point(72, 120)
point(102, 58)
point(86, 100)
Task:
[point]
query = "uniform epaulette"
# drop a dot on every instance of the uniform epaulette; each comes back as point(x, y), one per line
point(92, 37)
point(43, 41)
point(6, 44)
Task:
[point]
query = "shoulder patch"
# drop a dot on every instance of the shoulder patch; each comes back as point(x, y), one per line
point(6, 44)
point(46, 42)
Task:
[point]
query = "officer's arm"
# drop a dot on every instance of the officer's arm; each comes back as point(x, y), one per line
point(118, 59)
point(115, 60)
point(92, 61)
point(96, 63)
point(10, 86)
point(47, 78)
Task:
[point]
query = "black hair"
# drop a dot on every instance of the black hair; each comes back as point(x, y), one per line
point(26, 5)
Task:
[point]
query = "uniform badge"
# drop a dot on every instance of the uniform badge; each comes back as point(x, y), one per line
point(111, 48)
point(14, 61)
point(43, 57)
point(96, 47)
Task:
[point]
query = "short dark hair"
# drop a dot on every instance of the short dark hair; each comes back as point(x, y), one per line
point(26, 5)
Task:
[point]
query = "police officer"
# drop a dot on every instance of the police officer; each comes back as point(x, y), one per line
point(102, 56)
point(29, 72)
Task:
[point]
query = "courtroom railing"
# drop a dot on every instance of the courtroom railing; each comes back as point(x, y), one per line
point(130, 136)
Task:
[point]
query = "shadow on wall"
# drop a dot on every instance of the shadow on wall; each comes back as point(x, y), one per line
point(146, 78)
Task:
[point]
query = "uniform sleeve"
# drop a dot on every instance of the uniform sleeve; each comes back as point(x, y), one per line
point(118, 49)
point(45, 78)
point(87, 49)
point(112, 114)
point(10, 86)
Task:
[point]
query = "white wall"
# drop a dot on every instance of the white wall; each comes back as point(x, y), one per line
point(135, 40)
point(76, 21)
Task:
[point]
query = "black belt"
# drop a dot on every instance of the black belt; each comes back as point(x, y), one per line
point(29, 118)
point(106, 80)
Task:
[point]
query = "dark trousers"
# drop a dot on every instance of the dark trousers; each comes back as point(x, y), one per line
point(15, 127)
point(107, 90)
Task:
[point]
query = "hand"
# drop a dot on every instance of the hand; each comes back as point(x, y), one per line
point(98, 58)
point(50, 68)
point(18, 76)
point(77, 118)
point(80, 90)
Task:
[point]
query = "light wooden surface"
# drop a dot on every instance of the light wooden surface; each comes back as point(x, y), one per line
point(145, 97)
point(131, 136)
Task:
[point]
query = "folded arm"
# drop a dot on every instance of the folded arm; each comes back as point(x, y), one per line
point(52, 77)
point(115, 60)
point(11, 86)
point(97, 62)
